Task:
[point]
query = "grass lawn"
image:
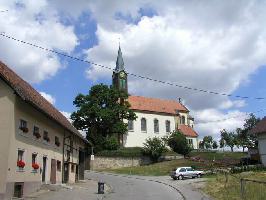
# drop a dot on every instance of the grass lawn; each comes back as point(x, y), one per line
point(163, 168)
point(218, 189)
point(218, 155)
point(157, 169)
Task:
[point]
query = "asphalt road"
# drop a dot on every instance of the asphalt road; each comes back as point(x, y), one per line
point(135, 188)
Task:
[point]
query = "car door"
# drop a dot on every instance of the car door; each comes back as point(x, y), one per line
point(189, 172)
point(183, 171)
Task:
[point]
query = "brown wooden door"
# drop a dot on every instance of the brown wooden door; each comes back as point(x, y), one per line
point(53, 171)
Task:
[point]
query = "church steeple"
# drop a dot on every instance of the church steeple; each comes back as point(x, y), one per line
point(119, 74)
point(119, 61)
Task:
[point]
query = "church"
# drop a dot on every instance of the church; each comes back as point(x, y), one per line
point(155, 117)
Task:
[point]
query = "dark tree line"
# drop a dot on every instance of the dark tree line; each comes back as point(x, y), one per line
point(238, 138)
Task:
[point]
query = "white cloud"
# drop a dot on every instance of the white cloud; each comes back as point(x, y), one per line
point(48, 97)
point(214, 46)
point(211, 121)
point(39, 23)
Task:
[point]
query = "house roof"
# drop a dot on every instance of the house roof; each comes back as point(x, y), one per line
point(187, 130)
point(156, 105)
point(27, 93)
point(260, 127)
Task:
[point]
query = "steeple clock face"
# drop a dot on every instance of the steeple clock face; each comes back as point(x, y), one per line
point(122, 74)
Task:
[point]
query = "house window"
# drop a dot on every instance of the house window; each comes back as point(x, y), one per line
point(72, 168)
point(23, 126)
point(34, 158)
point(167, 126)
point(130, 125)
point(183, 120)
point(58, 165)
point(143, 125)
point(20, 155)
point(45, 136)
point(156, 126)
point(56, 141)
point(36, 132)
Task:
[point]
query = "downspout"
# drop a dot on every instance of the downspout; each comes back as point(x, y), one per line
point(63, 164)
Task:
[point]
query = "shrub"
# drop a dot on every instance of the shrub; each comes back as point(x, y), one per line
point(111, 143)
point(154, 148)
point(178, 143)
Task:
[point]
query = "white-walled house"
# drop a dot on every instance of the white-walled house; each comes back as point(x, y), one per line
point(157, 118)
point(260, 131)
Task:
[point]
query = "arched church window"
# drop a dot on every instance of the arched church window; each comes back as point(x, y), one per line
point(130, 125)
point(156, 126)
point(143, 125)
point(167, 126)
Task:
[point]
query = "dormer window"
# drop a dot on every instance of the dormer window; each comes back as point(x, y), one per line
point(183, 120)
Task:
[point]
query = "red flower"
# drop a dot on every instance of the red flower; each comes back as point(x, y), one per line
point(35, 166)
point(21, 164)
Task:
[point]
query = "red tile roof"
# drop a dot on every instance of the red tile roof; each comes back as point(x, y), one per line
point(156, 105)
point(31, 96)
point(187, 130)
point(260, 127)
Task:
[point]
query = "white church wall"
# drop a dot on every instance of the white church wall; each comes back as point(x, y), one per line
point(137, 137)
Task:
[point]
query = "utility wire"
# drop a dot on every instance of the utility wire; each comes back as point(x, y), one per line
point(131, 74)
point(3, 10)
point(225, 119)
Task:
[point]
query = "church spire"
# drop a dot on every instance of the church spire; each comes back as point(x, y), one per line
point(119, 61)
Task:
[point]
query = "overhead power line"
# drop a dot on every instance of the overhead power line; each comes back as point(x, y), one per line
point(131, 74)
point(3, 10)
point(228, 118)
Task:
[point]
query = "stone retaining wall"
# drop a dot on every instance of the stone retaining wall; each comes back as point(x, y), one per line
point(101, 162)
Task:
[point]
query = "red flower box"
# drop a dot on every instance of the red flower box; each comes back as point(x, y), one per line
point(24, 129)
point(21, 164)
point(35, 166)
point(37, 135)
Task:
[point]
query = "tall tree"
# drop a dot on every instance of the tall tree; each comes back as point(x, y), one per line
point(228, 139)
point(101, 113)
point(207, 141)
point(214, 145)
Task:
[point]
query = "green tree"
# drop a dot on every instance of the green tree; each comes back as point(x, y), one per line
point(228, 139)
point(214, 145)
point(207, 141)
point(178, 143)
point(101, 113)
point(154, 148)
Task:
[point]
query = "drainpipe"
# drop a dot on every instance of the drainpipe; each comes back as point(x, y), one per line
point(63, 164)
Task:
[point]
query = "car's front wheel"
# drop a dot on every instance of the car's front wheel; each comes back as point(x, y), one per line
point(180, 177)
point(174, 177)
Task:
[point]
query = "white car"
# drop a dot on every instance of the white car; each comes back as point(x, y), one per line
point(185, 172)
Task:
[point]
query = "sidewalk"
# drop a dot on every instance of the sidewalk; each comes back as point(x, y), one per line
point(82, 190)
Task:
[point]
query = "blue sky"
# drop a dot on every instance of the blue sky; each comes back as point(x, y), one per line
point(217, 46)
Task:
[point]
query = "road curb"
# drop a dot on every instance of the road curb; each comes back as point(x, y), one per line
point(143, 179)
